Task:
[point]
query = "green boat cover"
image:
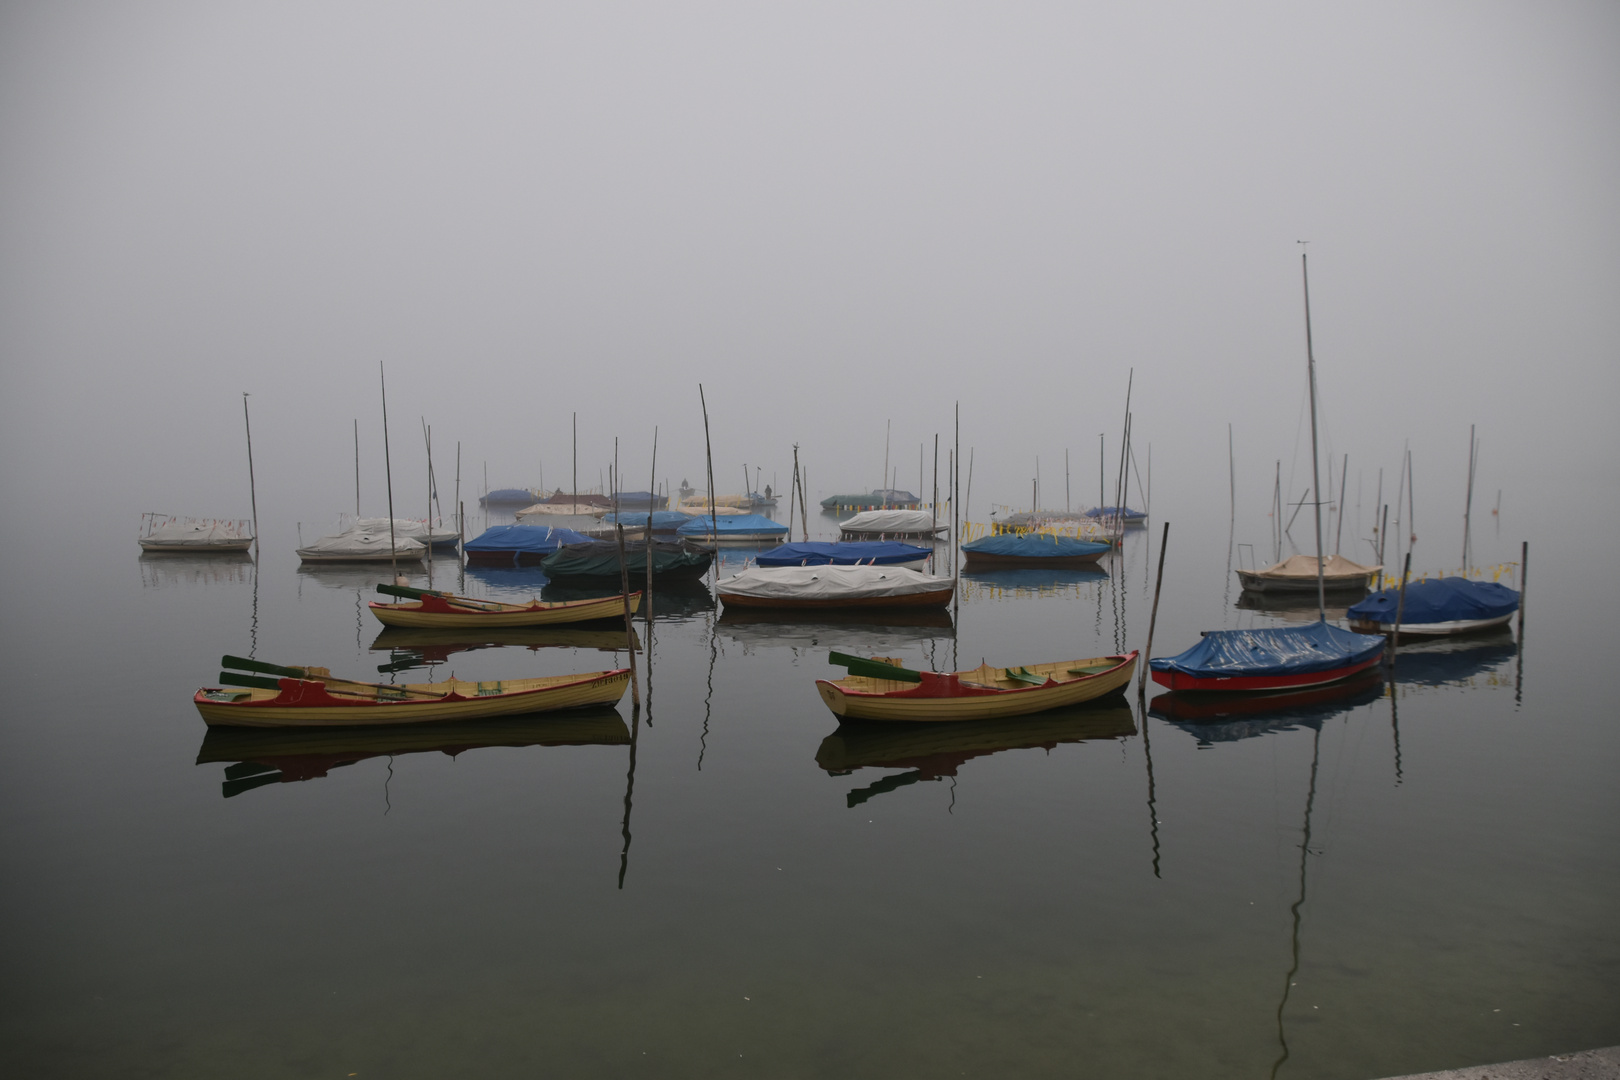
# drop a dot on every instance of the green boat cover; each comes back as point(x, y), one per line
point(600, 559)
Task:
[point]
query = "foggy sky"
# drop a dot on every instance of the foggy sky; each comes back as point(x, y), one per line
point(831, 215)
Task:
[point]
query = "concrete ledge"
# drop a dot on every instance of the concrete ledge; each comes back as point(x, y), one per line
point(1601, 1064)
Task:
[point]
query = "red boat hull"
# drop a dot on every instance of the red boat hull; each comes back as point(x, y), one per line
point(1176, 680)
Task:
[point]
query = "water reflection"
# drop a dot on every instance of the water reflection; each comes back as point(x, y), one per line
point(161, 570)
point(1000, 584)
point(1297, 608)
point(1456, 661)
point(856, 630)
point(410, 647)
point(936, 751)
point(257, 757)
point(1217, 718)
point(361, 576)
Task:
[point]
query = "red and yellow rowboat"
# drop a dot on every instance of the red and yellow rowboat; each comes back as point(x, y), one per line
point(444, 611)
point(984, 693)
point(318, 700)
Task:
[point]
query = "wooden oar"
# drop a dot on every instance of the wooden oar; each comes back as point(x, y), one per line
point(873, 669)
point(407, 593)
point(244, 664)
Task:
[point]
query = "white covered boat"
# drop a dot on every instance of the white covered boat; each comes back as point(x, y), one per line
point(809, 587)
point(870, 524)
point(363, 546)
point(576, 516)
point(194, 536)
point(421, 531)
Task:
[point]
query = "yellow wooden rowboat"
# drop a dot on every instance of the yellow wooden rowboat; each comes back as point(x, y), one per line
point(442, 610)
point(982, 693)
point(318, 700)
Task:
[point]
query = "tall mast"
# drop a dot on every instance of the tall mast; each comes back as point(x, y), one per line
point(1316, 473)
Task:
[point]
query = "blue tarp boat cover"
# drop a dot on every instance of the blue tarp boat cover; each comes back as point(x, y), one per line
point(1275, 650)
point(521, 496)
point(662, 520)
point(1114, 511)
point(1034, 546)
point(732, 525)
point(530, 539)
point(1453, 599)
point(821, 553)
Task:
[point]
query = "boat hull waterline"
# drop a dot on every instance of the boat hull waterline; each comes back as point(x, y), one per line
point(336, 703)
point(982, 693)
point(435, 612)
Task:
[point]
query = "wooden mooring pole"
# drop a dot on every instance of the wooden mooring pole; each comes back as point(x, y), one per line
point(1153, 618)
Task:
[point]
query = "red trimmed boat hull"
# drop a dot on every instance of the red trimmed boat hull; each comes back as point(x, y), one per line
point(1251, 684)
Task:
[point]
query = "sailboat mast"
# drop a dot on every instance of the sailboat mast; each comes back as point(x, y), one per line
point(1316, 472)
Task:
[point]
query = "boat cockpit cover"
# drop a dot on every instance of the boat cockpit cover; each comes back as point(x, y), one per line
point(892, 521)
point(198, 533)
point(830, 582)
point(821, 553)
point(1034, 546)
point(416, 530)
point(1275, 650)
point(662, 520)
point(600, 558)
point(1113, 511)
point(537, 539)
point(359, 542)
point(731, 524)
point(1304, 566)
point(1453, 599)
point(510, 495)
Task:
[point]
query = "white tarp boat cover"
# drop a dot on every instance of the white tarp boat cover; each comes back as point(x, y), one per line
point(414, 530)
point(830, 582)
point(189, 532)
point(362, 544)
point(893, 521)
point(1304, 566)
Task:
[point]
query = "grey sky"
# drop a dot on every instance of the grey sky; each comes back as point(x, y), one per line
point(830, 214)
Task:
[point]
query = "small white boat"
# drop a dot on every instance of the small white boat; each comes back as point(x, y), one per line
point(871, 524)
point(359, 546)
point(194, 536)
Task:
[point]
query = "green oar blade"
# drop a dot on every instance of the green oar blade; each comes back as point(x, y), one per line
point(230, 678)
point(873, 669)
point(242, 663)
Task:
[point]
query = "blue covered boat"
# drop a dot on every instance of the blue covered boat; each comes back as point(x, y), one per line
point(733, 528)
point(519, 543)
point(663, 521)
point(1005, 551)
point(1269, 658)
point(1441, 606)
point(851, 553)
point(507, 497)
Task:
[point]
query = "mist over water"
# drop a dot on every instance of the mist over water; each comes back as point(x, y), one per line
point(842, 222)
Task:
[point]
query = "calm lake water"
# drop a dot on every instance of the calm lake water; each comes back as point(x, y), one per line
point(728, 885)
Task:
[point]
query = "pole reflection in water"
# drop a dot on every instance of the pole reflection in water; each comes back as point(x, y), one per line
point(630, 786)
point(708, 696)
point(1295, 909)
point(1153, 813)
